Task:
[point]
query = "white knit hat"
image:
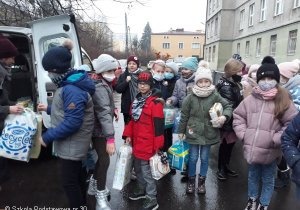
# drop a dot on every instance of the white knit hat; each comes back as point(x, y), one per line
point(173, 66)
point(104, 63)
point(203, 72)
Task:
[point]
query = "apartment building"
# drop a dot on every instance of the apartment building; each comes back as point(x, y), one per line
point(253, 29)
point(179, 43)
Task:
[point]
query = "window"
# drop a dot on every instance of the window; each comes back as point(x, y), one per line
point(292, 42)
point(251, 14)
point(238, 48)
point(216, 26)
point(214, 5)
point(209, 11)
point(263, 10)
point(180, 45)
point(180, 56)
point(242, 17)
point(205, 53)
point(247, 48)
point(212, 29)
point(196, 37)
point(273, 45)
point(258, 47)
point(209, 54)
point(208, 27)
point(278, 7)
point(213, 53)
point(166, 46)
point(195, 45)
point(296, 3)
point(218, 3)
point(166, 37)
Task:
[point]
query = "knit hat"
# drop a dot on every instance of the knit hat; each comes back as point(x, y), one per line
point(190, 64)
point(145, 76)
point(288, 69)
point(237, 57)
point(58, 59)
point(104, 63)
point(253, 67)
point(203, 72)
point(268, 68)
point(7, 49)
point(173, 66)
point(133, 58)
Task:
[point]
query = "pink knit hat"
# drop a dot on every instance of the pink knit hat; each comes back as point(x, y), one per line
point(288, 69)
point(253, 67)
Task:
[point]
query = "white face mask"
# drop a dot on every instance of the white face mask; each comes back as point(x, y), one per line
point(109, 77)
point(158, 77)
point(253, 75)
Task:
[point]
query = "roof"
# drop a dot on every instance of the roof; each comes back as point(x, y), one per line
point(175, 32)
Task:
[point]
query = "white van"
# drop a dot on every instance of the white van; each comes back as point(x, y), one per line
point(29, 79)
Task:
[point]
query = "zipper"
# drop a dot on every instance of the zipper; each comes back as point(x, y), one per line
point(257, 130)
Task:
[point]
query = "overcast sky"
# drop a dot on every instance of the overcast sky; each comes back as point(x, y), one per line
point(161, 15)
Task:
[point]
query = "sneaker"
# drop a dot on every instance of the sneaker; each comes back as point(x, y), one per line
point(230, 172)
point(149, 204)
point(221, 175)
point(261, 207)
point(137, 194)
point(251, 205)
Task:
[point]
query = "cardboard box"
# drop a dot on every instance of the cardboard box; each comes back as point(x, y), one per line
point(216, 111)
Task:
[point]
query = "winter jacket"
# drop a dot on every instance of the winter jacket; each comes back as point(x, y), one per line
point(147, 134)
point(104, 107)
point(248, 85)
point(122, 86)
point(4, 93)
point(72, 116)
point(180, 90)
point(255, 125)
point(162, 86)
point(195, 119)
point(291, 147)
point(293, 86)
point(171, 85)
point(231, 91)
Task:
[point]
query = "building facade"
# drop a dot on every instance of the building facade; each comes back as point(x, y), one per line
point(253, 29)
point(178, 43)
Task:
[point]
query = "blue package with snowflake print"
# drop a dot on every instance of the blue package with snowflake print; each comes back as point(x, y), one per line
point(17, 135)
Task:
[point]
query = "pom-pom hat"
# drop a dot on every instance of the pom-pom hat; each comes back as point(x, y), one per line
point(133, 58)
point(288, 69)
point(268, 68)
point(7, 49)
point(203, 72)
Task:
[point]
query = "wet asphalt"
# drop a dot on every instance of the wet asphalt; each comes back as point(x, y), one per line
point(36, 185)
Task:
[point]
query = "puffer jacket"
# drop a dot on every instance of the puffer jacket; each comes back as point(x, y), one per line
point(162, 86)
point(171, 85)
point(293, 86)
point(147, 134)
point(231, 91)
point(180, 90)
point(255, 125)
point(195, 119)
point(72, 116)
point(104, 107)
point(290, 145)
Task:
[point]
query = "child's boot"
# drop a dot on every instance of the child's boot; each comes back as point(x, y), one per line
point(190, 188)
point(137, 194)
point(101, 200)
point(251, 205)
point(149, 204)
point(221, 175)
point(201, 185)
point(261, 207)
point(92, 190)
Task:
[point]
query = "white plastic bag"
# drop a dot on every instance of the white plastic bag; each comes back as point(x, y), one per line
point(158, 169)
point(123, 167)
point(17, 135)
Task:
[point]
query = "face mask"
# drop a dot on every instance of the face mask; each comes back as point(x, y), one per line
point(253, 76)
point(237, 78)
point(109, 77)
point(266, 86)
point(158, 77)
point(169, 75)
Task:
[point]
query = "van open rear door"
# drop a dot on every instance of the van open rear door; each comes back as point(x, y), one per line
point(48, 33)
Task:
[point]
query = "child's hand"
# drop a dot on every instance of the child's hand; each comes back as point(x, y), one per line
point(218, 123)
point(181, 136)
point(110, 148)
point(128, 140)
point(169, 102)
point(42, 142)
point(42, 107)
point(116, 113)
point(18, 109)
point(128, 78)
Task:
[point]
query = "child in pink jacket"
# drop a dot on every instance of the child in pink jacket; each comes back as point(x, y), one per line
point(259, 122)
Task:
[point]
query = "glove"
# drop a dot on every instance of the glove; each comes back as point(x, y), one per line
point(219, 122)
point(181, 136)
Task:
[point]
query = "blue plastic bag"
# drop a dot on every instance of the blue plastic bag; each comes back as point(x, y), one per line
point(170, 114)
point(178, 155)
point(176, 122)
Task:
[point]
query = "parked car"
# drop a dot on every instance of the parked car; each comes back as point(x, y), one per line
point(123, 63)
point(150, 64)
point(29, 79)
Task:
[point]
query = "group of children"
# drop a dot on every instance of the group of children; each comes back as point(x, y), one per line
point(257, 110)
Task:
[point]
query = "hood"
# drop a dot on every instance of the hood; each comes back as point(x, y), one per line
point(81, 79)
point(293, 82)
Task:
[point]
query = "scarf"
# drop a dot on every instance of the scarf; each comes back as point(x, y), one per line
point(266, 95)
point(138, 105)
point(5, 74)
point(204, 91)
point(133, 87)
point(58, 79)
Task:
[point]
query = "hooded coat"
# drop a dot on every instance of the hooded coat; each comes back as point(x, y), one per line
point(72, 116)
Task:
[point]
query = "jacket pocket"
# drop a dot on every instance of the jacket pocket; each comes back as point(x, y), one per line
point(144, 146)
point(193, 130)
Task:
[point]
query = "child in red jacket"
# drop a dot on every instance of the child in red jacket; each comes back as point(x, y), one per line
point(146, 133)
